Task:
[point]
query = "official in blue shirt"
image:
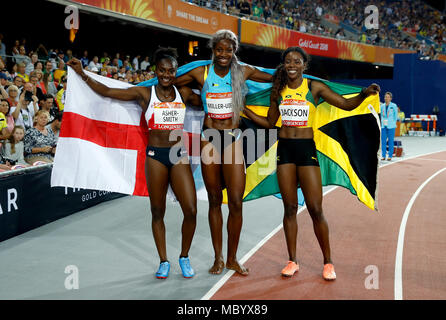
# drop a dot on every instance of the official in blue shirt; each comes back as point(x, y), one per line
point(389, 116)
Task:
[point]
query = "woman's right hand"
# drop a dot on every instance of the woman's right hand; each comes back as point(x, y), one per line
point(76, 65)
point(47, 149)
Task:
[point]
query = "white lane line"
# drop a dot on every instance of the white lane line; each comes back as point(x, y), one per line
point(245, 258)
point(432, 159)
point(399, 249)
point(228, 275)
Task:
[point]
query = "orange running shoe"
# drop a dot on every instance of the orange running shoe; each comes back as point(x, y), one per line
point(290, 269)
point(329, 272)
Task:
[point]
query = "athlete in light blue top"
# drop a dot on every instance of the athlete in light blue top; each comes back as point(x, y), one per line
point(389, 116)
point(222, 90)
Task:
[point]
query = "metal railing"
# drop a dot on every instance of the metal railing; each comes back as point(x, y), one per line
point(21, 171)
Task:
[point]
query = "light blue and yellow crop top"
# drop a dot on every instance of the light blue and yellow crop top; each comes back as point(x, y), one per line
point(217, 95)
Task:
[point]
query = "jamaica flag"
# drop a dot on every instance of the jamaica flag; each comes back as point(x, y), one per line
point(347, 144)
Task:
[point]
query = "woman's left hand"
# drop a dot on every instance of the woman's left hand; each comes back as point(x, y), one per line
point(372, 89)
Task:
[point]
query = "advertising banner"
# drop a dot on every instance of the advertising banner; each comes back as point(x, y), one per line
point(27, 201)
point(175, 13)
point(264, 35)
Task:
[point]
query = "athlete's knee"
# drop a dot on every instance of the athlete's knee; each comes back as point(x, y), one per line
point(190, 211)
point(158, 212)
point(215, 198)
point(290, 208)
point(235, 204)
point(316, 212)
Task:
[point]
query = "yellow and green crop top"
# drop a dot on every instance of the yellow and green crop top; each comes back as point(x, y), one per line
point(297, 107)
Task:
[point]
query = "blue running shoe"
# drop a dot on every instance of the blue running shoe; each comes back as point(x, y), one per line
point(187, 270)
point(163, 270)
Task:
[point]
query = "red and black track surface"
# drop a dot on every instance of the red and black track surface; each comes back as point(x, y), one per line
point(363, 243)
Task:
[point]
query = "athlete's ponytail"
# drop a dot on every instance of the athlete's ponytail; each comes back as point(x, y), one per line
point(166, 53)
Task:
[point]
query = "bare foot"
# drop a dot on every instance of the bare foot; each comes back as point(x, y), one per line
point(218, 266)
point(237, 267)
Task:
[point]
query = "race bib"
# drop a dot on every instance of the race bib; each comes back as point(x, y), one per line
point(294, 112)
point(385, 122)
point(219, 105)
point(168, 115)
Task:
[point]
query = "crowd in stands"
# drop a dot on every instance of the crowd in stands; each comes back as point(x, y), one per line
point(404, 24)
point(32, 94)
point(33, 82)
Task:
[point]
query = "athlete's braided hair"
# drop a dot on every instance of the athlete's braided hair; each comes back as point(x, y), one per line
point(280, 78)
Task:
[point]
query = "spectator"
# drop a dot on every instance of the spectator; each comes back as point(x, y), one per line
point(59, 72)
point(267, 13)
point(68, 56)
point(48, 86)
point(48, 67)
point(15, 48)
point(105, 65)
point(39, 74)
point(4, 83)
point(42, 52)
point(40, 142)
point(55, 124)
point(60, 56)
point(12, 152)
point(21, 57)
point(340, 35)
point(5, 109)
point(84, 59)
point(94, 64)
point(47, 104)
point(145, 64)
point(136, 62)
point(25, 110)
point(114, 63)
point(319, 11)
point(60, 96)
point(257, 11)
point(245, 8)
point(389, 116)
point(104, 56)
point(13, 95)
point(30, 66)
point(289, 21)
point(4, 131)
point(18, 81)
point(2, 48)
point(121, 72)
point(36, 90)
point(120, 63)
point(38, 66)
point(21, 72)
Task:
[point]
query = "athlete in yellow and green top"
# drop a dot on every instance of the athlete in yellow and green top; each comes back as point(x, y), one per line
point(293, 98)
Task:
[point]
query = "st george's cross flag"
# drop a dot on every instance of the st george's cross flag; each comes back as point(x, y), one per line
point(102, 142)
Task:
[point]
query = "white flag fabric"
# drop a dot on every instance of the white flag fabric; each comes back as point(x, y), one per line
point(102, 141)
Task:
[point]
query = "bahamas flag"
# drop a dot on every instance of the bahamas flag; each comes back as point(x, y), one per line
point(347, 142)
